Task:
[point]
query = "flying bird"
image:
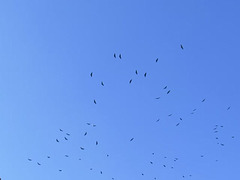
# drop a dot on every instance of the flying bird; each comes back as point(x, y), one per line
point(102, 84)
point(136, 72)
point(130, 81)
point(157, 60)
point(91, 74)
point(85, 133)
point(170, 115)
point(114, 55)
point(66, 156)
point(96, 142)
point(145, 74)
point(39, 164)
point(157, 120)
point(157, 98)
point(131, 139)
point(203, 100)
point(168, 92)
point(61, 130)
point(88, 123)
point(165, 87)
point(65, 138)
point(120, 56)
point(181, 46)
point(177, 124)
point(94, 101)
point(48, 157)
point(81, 148)
point(228, 107)
point(67, 134)
point(29, 159)
point(60, 170)
point(57, 140)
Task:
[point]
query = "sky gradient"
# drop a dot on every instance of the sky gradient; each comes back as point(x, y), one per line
point(48, 50)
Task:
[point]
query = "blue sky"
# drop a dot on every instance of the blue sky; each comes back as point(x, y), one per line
point(48, 50)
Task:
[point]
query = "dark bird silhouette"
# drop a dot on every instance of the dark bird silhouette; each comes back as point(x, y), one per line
point(38, 164)
point(145, 74)
point(65, 138)
point(81, 148)
point(96, 142)
point(168, 92)
point(60, 170)
point(164, 165)
point(170, 115)
point(66, 156)
point(157, 120)
point(67, 134)
point(203, 100)
point(88, 123)
point(136, 72)
point(177, 124)
point(85, 133)
point(181, 46)
point(180, 119)
point(114, 55)
point(228, 107)
point(157, 98)
point(57, 140)
point(61, 130)
point(94, 101)
point(29, 159)
point(120, 56)
point(48, 157)
point(151, 162)
point(131, 139)
point(165, 87)
point(194, 109)
point(101, 172)
point(94, 125)
point(102, 83)
point(91, 74)
point(130, 81)
point(157, 60)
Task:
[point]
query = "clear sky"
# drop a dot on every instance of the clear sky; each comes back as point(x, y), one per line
point(48, 48)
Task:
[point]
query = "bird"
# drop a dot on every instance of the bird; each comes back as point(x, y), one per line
point(194, 109)
point(48, 157)
point(61, 130)
point(96, 142)
point(91, 74)
point(157, 60)
point(94, 125)
point(136, 72)
point(165, 87)
point(38, 163)
point(151, 162)
point(101, 172)
point(120, 56)
point(88, 123)
point(102, 83)
point(170, 115)
point(168, 92)
point(65, 138)
point(94, 101)
point(181, 46)
point(157, 98)
point(177, 124)
point(114, 55)
point(180, 119)
point(67, 134)
point(81, 148)
point(164, 165)
point(60, 170)
point(57, 140)
point(131, 139)
point(130, 81)
point(66, 156)
point(203, 100)
point(228, 107)
point(85, 133)
point(29, 159)
point(145, 74)
point(157, 120)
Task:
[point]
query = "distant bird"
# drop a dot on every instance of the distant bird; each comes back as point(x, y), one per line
point(136, 72)
point(157, 98)
point(85, 133)
point(151, 162)
point(96, 142)
point(67, 134)
point(177, 124)
point(201, 155)
point(48, 157)
point(194, 109)
point(232, 136)
point(94, 125)
point(91, 74)
point(142, 174)
point(157, 60)
point(165, 87)
point(66, 156)
point(203, 100)
point(145, 74)
point(131, 139)
point(81, 148)
point(157, 120)
point(181, 46)
point(102, 83)
point(88, 123)
point(114, 55)
point(181, 119)
point(90, 169)
point(60, 170)
point(168, 92)
point(164, 165)
point(130, 81)
point(222, 144)
point(29, 159)
point(65, 138)
point(61, 130)
point(228, 107)
point(170, 115)
point(57, 140)
point(94, 101)
point(120, 56)
point(101, 172)
point(39, 164)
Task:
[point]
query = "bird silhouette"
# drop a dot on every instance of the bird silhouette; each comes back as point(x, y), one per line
point(145, 74)
point(81, 148)
point(67, 134)
point(203, 100)
point(130, 81)
point(85, 133)
point(157, 60)
point(168, 92)
point(165, 87)
point(114, 55)
point(120, 56)
point(136, 72)
point(94, 101)
point(96, 142)
point(61, 130)
point(29, 159)
point(91, 74)
point(102, 83)
point(57, 140)
point(38, 164)
point(131, 139)
point(157, 98)
point(181, 46)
